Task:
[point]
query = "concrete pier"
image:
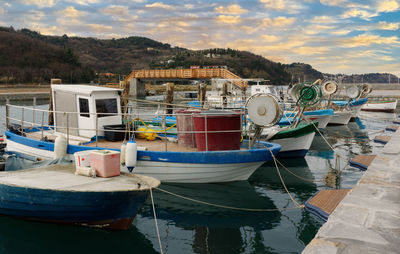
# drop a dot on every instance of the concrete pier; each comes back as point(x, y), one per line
point(368, 218)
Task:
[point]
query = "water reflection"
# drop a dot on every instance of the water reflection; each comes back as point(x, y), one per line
point(19, 236)
point(215, 230)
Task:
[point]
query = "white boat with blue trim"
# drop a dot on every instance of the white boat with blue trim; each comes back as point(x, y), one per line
point(80, 114)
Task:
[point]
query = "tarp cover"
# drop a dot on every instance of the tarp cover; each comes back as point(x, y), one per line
point(14, 162)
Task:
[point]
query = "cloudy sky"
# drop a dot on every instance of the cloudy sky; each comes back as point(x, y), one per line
point(335, 36)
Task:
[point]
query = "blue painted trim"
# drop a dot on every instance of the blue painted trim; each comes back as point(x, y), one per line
point(256, 154)
point(353, 103)
point(380, 141)
point(316, 210)
point(69, 206)
point(320, 112)
point(396, 121)
point(358, 165)
point(292, 154)
point(390, 129)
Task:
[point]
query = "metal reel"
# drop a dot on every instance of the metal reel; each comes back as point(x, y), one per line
point(353, 92)
point(306, 94)
point(329, 87)
point(366, 89)
point(264, 109)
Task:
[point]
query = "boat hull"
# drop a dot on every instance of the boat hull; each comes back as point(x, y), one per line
point(381, 106)
point(322, 120)
point(117, 209)
point(341, 118)
point(180, 167)
point(296, 146)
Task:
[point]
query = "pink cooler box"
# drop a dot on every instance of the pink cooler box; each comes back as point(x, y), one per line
point(105, 162)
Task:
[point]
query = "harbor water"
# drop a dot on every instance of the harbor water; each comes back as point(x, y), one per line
point(186, 226)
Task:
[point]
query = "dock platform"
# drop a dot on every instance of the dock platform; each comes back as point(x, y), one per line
point(362, 161)
point(367, 220)
point(392, 128)
point(382, 139)
point(324, 202)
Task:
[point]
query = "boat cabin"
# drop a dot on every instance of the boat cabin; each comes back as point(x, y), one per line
point(81, 109)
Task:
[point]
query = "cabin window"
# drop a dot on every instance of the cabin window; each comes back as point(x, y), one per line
point(84, 107)
point(106, 107)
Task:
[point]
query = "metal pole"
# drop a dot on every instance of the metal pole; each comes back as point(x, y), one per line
point(42, 123)
point(22, 122)
point(205, 129)
point(7, 115)
point(165, 133)
point(97, 129)
point(67, 129)
point(34, 112)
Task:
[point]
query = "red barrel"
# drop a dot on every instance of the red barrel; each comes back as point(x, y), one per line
point(217, 121)
point(184, 125)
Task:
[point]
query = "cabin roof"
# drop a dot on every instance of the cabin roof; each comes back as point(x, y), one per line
point(84, 89)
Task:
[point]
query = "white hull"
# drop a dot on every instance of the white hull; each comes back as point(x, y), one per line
point(341, 117)
point(322, 120)
point(380, 106)
point(296, 143)
point(167, 171)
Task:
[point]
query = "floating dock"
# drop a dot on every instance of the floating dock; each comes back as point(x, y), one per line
point(392, 128)
point(324, 202)
point(367, 220)
point(362, 161)
point(382, 139)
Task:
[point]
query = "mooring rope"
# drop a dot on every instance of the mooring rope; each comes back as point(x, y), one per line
point(228, 207)
point(283, 183)
point(155, 220)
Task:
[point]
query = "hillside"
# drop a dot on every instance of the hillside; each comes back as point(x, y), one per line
point(28, 57)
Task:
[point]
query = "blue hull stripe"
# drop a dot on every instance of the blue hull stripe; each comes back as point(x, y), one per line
point(209, 157)
point(69, 206)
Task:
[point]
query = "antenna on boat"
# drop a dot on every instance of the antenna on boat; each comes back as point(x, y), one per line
point(263, 111)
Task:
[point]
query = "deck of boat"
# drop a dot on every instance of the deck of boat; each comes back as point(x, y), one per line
point(155, 145)
point(62, 178)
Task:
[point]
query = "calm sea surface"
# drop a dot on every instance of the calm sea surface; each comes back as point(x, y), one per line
point(188, 227)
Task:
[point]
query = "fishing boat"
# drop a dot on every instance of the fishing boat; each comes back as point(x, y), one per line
point(295, 141)
point(322, 116)
point(55, 194)
point(380, 106)
point(81, 113)
point(341, 117)
point(354, 105)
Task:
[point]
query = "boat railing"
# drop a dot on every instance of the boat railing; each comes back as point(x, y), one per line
point(31, 117)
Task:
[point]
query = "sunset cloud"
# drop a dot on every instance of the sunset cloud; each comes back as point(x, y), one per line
point(278, 21)
point(159, 5)
point(331, 35)
point(388, 6)
point(39, 3)
point(230, 9)
point(364, 40)
point(228, 19)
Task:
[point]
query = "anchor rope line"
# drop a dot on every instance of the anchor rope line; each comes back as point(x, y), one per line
point(295, 175)
point(283, 183)
point(155, 220)
point(228, 207)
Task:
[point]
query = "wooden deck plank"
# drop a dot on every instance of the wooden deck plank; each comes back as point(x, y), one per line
point(327, 200)
point(365, 160)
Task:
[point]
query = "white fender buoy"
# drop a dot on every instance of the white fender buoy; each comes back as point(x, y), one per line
point(131, 154)
point(123, 152)
point(60, 147)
